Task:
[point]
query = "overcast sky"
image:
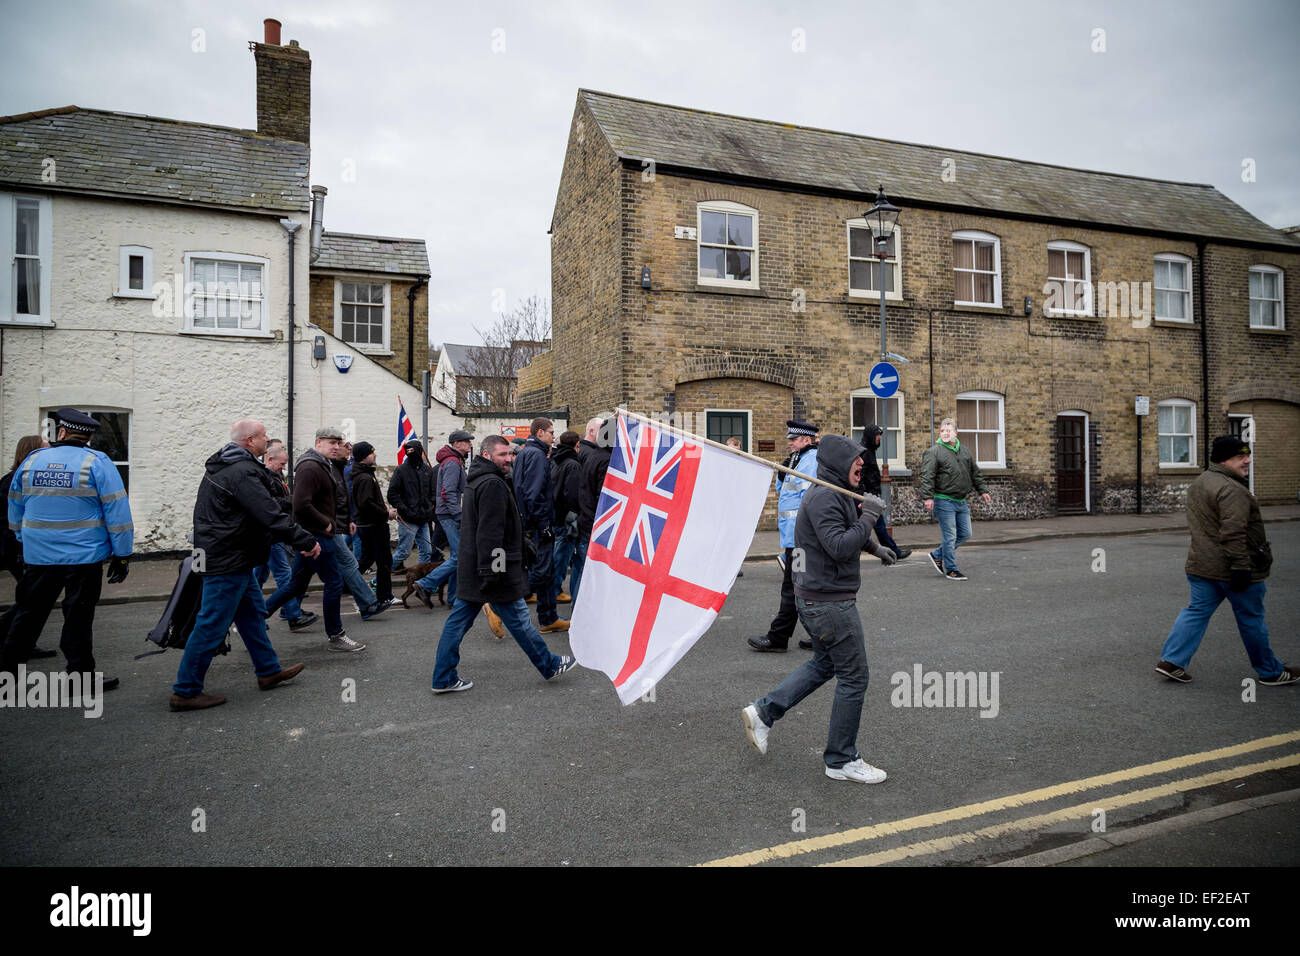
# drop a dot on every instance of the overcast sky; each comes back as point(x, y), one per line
point(461, 144)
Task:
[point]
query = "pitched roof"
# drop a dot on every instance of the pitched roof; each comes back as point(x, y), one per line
point(128, 155)
point(462, 356)
point(345, 252)
point(782, 153)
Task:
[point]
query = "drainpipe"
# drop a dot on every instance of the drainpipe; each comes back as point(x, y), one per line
point(410, 327)
point(1205, 354)
point(291, 227)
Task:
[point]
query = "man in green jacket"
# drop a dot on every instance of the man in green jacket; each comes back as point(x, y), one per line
point(1229, 557)
point(948, 472)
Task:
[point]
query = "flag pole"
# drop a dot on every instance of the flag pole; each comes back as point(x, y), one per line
point(736, 451)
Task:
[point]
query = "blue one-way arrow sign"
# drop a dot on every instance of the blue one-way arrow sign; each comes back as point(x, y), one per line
point(884, 379)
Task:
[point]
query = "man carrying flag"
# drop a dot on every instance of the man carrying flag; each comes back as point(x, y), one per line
point(831, 534)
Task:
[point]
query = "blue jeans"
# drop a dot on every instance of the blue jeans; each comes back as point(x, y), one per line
point(1247, 607)
point(226, 598)
point(445, 573)
point(565, 547)
point(354, 545)
point(277, 563)
point(954, 523)
point(838, 651)
point(579, 561)
point(884, 537)
point(352, 579)
point(407, 535)
point(541, 578)
point(324, 567)
point(514, 616)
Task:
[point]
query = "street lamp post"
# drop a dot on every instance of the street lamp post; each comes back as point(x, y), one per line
point(881, 219)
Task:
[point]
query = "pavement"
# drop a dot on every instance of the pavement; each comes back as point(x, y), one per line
point(152, 579)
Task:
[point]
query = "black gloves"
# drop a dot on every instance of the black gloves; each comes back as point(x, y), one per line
point(1240, 580)
point(117, 569)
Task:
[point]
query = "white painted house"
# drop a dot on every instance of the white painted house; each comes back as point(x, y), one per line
point(145, 275)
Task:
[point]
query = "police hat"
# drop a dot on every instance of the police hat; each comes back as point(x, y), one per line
point(797, 428)
point(76, 422)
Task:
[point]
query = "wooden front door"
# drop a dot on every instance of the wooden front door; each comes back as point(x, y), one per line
point(1071, 465)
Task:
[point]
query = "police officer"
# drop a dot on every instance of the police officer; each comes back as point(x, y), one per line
point(68, 507)
point(802, 439)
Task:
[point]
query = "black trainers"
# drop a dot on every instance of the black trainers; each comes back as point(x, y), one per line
point(765, 645)
point(952, 574)
point(938, 565)
point(303, 620)
point(567, 664)
point(1174, 672)
point(1290, 674)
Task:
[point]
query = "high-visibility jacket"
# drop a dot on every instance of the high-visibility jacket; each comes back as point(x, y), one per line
point(67, 505)
point(790, 492)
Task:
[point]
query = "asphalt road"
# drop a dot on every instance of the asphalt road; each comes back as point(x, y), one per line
point(519, 771)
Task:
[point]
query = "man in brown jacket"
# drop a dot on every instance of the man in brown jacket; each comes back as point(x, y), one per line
point(1228, 557)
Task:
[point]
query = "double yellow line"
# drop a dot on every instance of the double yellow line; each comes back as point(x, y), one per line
point(864, 834)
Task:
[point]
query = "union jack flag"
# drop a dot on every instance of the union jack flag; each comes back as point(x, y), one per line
point(673, 522)
point(405, 431)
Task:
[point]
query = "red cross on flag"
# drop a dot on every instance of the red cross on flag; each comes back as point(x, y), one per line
point(673, 523)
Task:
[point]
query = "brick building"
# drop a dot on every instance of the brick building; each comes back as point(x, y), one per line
point(716, 267)
point(372, 292)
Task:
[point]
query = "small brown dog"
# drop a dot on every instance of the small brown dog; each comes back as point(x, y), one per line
point(414, 574)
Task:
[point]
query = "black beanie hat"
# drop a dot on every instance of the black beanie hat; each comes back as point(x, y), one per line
point(362, 450)
point(1227, 446)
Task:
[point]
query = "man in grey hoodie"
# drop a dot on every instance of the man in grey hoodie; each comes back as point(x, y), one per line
point(829, 535)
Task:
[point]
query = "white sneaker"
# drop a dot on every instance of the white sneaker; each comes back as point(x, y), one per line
point(755, 729)
point(859, 771)
point(341, 642)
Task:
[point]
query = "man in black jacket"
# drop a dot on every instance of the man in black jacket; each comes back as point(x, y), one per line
point(593, 455)
point(870, 485)
point(830, 532)
point(372, 519)
point(236, 520)
point(566, 473)
point(491, 570)
point(412, 492)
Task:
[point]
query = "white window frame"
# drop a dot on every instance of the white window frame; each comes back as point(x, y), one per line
point(1264, 269)
point(974, 235)
point(49, 431)
point(476, 397)
point(734, 208)
point(1187, 292)
point(1191, 437)
point(894, 262)
point(9, 265)
point(124, 290)
point(899, 460)
point(367, 348)
point(979, 396)
point(1066, 245)
point(263, 331)
point(749, 422)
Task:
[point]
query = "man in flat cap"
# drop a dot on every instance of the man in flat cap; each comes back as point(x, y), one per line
point(802, 439)
point(68, 509)
point(1228, 557)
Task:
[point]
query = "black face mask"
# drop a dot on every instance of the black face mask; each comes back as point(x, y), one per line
point(415, 454)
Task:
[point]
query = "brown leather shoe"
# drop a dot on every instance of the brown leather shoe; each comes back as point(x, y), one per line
point(559, 624)
point(196, 703)
point(494, 622)
point(287, 673)
point(562, 598)
point(531, 599)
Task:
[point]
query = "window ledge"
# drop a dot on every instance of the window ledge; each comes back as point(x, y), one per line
point(896, 471)
point(874, 296)
point(1176, 470)
point(131, 294)
point(27, 323)
point(1175, 323)
point(1058, 314)
point(231, 334)
point(994, 470)
point(371, 351)
point(989, 309)
point(730, 290)
point(1263, 331)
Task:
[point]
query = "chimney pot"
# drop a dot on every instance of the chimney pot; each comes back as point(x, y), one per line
point(272, 31)
point(294, 44)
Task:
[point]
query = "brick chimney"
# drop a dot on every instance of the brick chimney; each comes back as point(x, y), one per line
point(283, 86)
